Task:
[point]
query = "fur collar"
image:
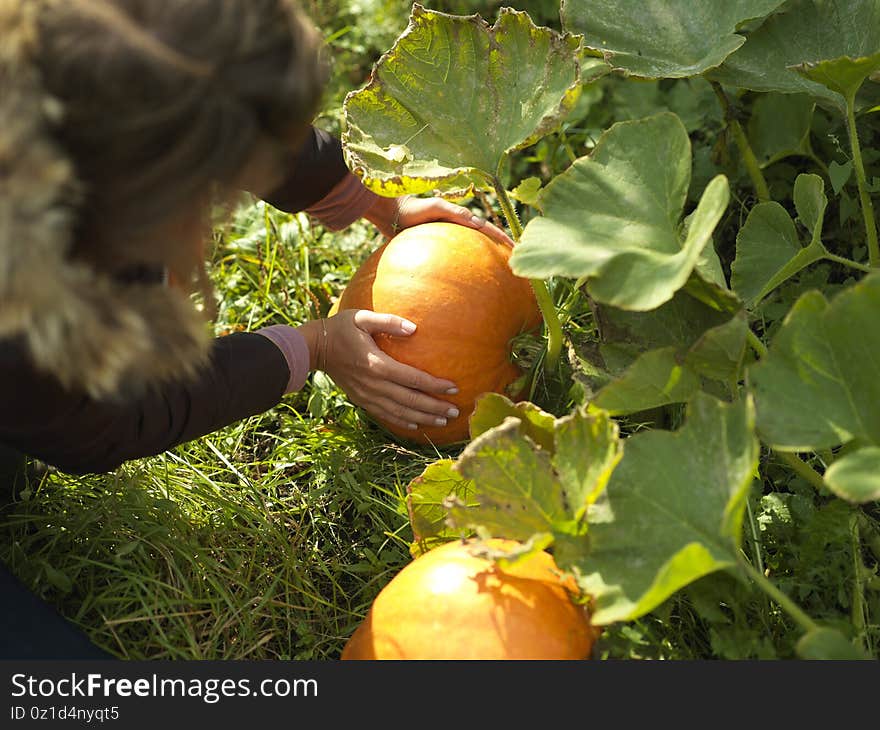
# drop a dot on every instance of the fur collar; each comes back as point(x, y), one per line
point(88, 330)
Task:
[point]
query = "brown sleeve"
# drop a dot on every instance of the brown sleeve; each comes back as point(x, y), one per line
point(247, 375)
point(314, 170)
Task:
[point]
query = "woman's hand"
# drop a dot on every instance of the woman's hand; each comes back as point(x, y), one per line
point(385, 388)
point(392, 215)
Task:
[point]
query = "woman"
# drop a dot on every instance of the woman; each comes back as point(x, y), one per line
point(120, 122)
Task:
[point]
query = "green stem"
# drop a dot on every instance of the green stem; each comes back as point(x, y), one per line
point(789, 606)
point(756, 544)
point(859, 610)
point(862, 180)
point(848, 262)
point(742, 143)
point(802, 469)
point(759, 347)
point(539, 286)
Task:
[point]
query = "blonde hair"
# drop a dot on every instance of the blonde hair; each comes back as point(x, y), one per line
point(117, 111)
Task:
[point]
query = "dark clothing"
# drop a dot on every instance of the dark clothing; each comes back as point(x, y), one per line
point(247, 375)
point(318, 166)
point(32, 629)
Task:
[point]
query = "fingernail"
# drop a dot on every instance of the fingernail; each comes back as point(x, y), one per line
point(452, 413)
point(412, 427)
point(477, 221)
point(452, 391)
point(439, 421)
point(407, 326)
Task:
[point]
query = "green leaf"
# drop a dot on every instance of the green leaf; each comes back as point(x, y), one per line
point(453, 97)
point(679, 323)
point(672, 512)
point(856, 476)
point(779, 126)
point(839, 174)
point(807, 31)
point(720, 351)
point(656, 378)
point(522, 488)
point(425, 499)
point(516, 491)
point(662, 38)
point(492, 408)
point(615, 217)
point(810, 203)
point(828, 644)
point(844, 75)
point(527, 192)
point(768, 251)
point(712, 293)
point(684, 333)
point(588, 448)
point(819, 384)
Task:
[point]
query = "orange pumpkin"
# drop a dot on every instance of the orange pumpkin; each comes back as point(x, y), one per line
point(451, 604)
point(456, 285)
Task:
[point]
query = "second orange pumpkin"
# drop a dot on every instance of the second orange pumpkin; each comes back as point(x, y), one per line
point(455, 284)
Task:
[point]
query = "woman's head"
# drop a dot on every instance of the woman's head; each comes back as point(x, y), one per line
point(125, 113)
point(161, 96)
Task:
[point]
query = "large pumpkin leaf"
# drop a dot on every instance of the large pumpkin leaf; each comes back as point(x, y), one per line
point(614, 217)
point(522, 489)
point(584, 448)
point(662, 38)
point(807, 32)
point(819, 384)
point(672, 375)
point(517, 492)
point(679, 322)
point(454, 96)
point(526, 475)
point(672, 511)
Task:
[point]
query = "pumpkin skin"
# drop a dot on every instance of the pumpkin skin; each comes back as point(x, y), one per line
point(450, 604)
point(456, 285)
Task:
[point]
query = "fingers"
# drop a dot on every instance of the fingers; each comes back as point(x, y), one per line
point(491, 230)
point(421, 411)
point(465, 217)
point(398, 372)
point(399, 394)
point(414, 210)
point(389, 324)
point(389, 390)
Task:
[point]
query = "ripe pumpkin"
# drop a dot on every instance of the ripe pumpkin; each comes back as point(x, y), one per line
point(456, 285)
point(451, 604)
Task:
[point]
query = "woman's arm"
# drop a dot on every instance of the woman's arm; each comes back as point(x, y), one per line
point(310, 173)
point(247, 374)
